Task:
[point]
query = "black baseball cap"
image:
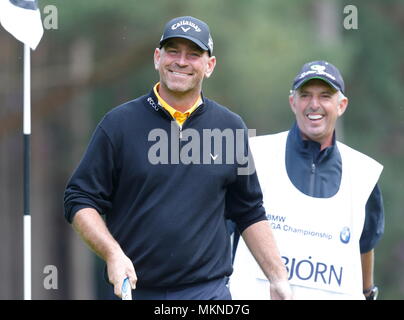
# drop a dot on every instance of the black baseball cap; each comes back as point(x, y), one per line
point(189, 28)
point(319, 70)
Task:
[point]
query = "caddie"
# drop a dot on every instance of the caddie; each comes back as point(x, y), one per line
point(321, 198)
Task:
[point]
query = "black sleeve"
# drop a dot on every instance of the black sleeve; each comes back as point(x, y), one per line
point(374, 221)
point(244, 196)
point(91, 184)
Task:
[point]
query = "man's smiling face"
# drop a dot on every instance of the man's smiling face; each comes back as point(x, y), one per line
point(317, 107)
point(182, 66)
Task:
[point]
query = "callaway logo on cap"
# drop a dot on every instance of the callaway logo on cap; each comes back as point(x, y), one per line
point(189, 28)
point(319, 70)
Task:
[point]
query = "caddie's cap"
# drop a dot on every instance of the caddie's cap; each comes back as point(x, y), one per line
point(189, 28)
point(319, 70)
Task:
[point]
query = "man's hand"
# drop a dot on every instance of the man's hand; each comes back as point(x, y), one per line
point(119, 267)
point(281, 291)
point(261, 242)
point(92, 229)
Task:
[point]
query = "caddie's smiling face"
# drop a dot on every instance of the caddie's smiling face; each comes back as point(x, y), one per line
point(317, 107)
point(182, 66)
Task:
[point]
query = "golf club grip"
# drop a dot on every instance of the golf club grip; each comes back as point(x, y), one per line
point(126, 290)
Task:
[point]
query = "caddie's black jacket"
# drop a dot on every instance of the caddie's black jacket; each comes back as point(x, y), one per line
point(168, 215)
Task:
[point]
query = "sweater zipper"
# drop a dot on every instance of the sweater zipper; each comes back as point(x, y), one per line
point(180, 127)
point(312, 179)
point(172, 119)
point(187, 120)
point(192, 114)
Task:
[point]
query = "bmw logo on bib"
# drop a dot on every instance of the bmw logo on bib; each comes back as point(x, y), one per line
point(345, 235)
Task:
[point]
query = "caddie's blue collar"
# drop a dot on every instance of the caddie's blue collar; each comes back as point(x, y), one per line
point(309, 146)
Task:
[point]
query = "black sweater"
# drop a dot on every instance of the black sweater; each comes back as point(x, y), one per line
point(167, 214)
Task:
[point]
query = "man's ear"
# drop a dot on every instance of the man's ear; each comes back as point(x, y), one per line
point(292, 103)
point(210, 67)
point(157, 53)
point(342, 106)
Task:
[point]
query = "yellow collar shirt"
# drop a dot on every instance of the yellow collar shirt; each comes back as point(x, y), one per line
point(180, 117)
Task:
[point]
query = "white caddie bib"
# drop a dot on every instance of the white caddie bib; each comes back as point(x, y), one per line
point(318, 238)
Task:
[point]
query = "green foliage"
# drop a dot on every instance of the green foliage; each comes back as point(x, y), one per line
point(375, 122)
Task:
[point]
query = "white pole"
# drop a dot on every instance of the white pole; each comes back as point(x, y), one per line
point(27, 90)
point(27, 156)
point(27, 257)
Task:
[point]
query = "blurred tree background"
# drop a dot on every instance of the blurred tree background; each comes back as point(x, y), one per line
point(101, 55)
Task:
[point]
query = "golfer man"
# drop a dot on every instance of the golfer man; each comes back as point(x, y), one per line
point(165, 190)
